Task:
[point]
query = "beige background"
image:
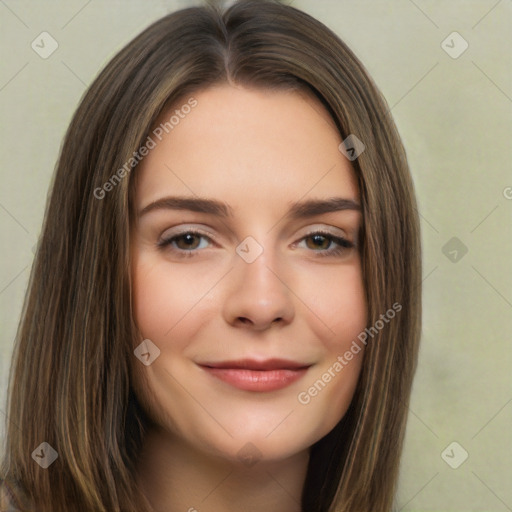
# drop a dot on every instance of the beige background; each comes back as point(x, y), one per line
point(454, 115)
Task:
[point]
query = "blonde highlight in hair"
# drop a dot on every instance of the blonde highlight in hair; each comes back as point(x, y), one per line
point(70, 376)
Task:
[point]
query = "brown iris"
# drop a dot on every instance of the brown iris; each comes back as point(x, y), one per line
point(318, 242)
point(187, 241)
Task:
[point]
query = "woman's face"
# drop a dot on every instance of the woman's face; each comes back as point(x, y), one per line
point(246, 274)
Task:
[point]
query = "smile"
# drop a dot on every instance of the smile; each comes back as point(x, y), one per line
point(249, 375)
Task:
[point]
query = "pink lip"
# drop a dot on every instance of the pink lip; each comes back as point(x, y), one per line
point(251, 375)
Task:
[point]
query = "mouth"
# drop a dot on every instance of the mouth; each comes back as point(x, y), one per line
point(251, 375)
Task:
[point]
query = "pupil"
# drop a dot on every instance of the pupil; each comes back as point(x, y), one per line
point(188, 241)
point(320, 241)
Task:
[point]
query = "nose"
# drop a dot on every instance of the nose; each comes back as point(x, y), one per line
point(257, 296)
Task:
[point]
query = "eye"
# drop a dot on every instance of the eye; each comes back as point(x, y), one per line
point(189, 243)
point(326, 244)
point(186, 243)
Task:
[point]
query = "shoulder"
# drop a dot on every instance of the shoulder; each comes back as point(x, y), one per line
point(7, 502)
point(11, 497)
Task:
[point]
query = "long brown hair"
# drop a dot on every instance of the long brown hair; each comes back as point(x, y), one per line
point(70, 376)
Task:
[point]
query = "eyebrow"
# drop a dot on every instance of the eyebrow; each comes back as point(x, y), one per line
point(297, 210)
point(193, 204)
point(304, 209)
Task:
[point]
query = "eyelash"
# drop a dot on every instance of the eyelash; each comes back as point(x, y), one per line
point(342, 243)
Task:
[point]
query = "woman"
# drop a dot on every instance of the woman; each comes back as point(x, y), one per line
point(224, 309)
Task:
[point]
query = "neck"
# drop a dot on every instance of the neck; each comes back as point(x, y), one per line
point(176, 477)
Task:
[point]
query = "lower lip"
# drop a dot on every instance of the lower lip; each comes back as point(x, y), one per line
point(257, 380)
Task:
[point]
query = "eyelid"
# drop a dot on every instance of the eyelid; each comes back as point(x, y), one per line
point(326, 230)
point(198, 228)
point(339, 240)
point(336, 235)
point(184, 229)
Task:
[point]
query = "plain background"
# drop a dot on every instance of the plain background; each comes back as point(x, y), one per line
point(454, 115)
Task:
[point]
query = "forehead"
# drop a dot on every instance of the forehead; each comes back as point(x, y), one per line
point(235, 143)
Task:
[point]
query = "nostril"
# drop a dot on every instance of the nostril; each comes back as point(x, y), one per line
point(244, 320)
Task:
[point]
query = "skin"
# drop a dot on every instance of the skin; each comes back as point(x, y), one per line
point(258, 151)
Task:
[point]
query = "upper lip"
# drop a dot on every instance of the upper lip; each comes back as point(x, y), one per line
point(253, 364)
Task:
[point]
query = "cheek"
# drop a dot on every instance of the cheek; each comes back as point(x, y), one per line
point(163, 298)
point(336, 296)
point(167, 306)
point(338, 300)
point(152, 301)
point(352, 311)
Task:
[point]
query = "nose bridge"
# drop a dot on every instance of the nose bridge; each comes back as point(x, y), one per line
point(257, 276)
point(257, 294)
